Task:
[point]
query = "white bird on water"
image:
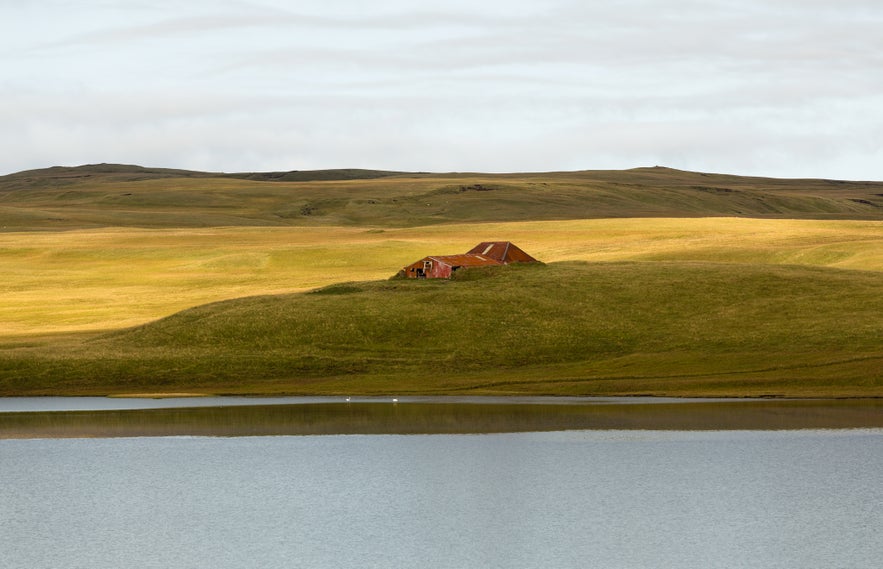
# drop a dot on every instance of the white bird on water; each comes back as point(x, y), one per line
point(394, 400)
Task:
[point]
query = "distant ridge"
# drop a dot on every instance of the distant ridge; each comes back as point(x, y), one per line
point(121, 195)
point(141, 172)
point(87, 170)
point(335, 174)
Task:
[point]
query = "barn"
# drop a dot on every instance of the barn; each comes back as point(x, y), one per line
point(486, 254)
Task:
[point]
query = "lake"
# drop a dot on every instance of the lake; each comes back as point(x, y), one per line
point(603, 497)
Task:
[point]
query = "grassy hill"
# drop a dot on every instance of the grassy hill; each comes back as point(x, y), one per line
point(658, 281)
point(100, 279)
point(662, 328)
point(131, 196)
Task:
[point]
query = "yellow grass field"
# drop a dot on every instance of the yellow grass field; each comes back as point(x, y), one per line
point(92, 280)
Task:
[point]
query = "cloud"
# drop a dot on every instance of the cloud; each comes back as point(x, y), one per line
point(748, 87)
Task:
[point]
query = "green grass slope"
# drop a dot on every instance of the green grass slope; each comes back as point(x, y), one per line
point(662, 328)
point(132, 196)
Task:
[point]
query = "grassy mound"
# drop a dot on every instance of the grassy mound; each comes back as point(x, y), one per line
point(566, 328)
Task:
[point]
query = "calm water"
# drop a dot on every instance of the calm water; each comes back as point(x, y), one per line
point(607, 498)
point(103, 417)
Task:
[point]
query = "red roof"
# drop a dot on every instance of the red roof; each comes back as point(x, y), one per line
point(466, 260)
point(487, 254)
point(502, 251)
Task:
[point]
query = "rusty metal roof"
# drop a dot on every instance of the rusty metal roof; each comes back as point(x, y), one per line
point(466, 260)
point(486, 254)
point(503, 251)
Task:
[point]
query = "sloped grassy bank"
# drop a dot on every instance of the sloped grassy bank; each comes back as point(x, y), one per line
point(662, 328)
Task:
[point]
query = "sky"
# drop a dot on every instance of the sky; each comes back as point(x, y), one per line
point(784, 88)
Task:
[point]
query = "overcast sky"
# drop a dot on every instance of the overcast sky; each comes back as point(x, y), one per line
point(786, 88)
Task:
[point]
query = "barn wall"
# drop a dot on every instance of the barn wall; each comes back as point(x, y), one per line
point(410, 270)
point(439, 270)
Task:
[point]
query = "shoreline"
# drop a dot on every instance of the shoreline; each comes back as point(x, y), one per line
point(438, 415)
point(165, 400)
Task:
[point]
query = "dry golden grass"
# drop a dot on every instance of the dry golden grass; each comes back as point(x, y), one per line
point(89, 280)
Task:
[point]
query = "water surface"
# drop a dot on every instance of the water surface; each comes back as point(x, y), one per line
point(311, 416)
point(608, 498)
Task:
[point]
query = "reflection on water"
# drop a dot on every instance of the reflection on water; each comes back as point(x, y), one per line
point(425, 417)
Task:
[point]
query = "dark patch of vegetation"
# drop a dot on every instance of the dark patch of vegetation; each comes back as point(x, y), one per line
point(314, 175)
point(343, 288)
point(865, 202)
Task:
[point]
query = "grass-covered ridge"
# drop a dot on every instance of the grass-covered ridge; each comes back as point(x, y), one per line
point(131, 196)
point(678, 328)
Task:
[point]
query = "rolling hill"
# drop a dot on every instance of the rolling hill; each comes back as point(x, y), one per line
point(662, 328)
point(132, 196)
point(773, 287)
